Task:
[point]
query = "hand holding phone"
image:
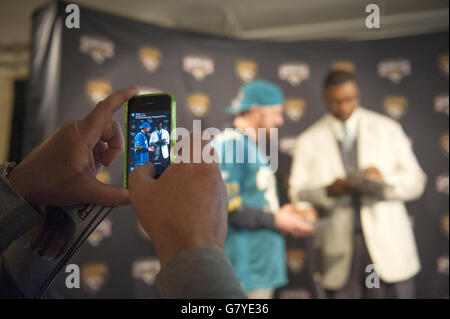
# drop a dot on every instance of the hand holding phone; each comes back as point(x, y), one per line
point(54, 174)
point(58, 175)
point(195, 219)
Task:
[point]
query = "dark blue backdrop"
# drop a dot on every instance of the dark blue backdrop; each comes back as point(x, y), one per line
point(71, 69)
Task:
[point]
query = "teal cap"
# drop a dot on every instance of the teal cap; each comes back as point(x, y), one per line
point(144, 125)
point(256, 93)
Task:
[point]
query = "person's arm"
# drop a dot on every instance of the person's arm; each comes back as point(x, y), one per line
point(187, 222)
point(56, 175)
point(199, 273)
point(251, 218)
point(153, 141)
point(138, 143)
point(286, 219)
point(166, 137)
point(16, 215)
point(408, 180)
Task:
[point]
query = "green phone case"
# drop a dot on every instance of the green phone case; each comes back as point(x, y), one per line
point(173, 119)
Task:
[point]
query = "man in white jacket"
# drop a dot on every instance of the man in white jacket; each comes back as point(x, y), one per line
point(363, 228)
point(159, 143)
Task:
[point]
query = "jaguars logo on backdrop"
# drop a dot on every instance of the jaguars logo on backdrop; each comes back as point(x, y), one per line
point(443, 265)
point(102, 231)
point(104, 177)
point(146, 269)
point(441, 103)
point(443, 63)
point(347, 66)
point(94, 276)
point(295, 260)
point(150, 58)
point(97, 90)
point(394, 69)
point(442, 184)
point(294, 108)
point(444, 143)
point(98, 48)
point(293, 72)
point(198, 104)
point(445, 224)
point(247, 70)
point(395, 106)
point(198, 66)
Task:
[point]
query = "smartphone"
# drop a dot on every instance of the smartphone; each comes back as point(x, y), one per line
point(149, 121)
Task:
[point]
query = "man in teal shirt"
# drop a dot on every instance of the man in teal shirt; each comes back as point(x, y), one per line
point(254, 245)
point(141, 149)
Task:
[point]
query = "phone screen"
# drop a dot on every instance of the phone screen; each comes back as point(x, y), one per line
point(148, 133)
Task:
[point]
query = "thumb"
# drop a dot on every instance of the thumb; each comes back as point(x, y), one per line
point(142, 174)
point(107, 195)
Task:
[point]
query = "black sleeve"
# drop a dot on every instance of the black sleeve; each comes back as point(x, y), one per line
point(251, 218)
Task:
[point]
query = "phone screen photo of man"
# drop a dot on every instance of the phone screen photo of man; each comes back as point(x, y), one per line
point(159, 144)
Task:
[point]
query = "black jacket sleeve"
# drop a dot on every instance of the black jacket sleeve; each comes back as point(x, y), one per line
point(251, 218)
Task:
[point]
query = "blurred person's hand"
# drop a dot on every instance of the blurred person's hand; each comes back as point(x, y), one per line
point(342, 187)
point(62, 170)
point(288, 221)
point(373, 173)
point(188, 206)
point(309, 214)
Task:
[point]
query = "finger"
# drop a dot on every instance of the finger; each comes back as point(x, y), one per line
point(113, 136)
point(97, 120)
point(348, 185)
point(304, 226)
point(142, 174)
point(98, 149)
point(305, 231)
point(106, 195)
point(308, 228)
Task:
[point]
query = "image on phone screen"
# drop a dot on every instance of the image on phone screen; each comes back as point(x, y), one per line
point(149, 140)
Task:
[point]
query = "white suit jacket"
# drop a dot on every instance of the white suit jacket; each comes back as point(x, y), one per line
point(386, 226)
point(164, 147)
